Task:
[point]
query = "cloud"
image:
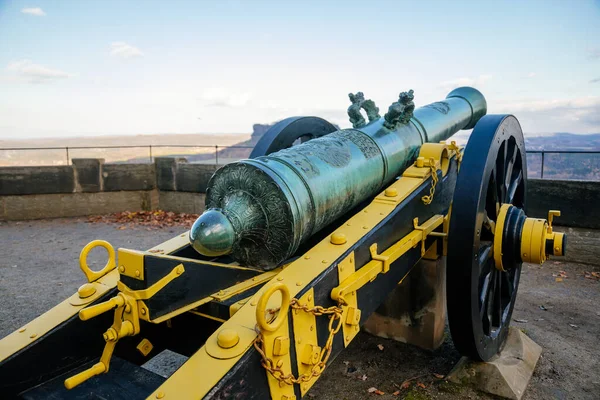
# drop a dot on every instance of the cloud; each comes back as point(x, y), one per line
point(34, 73)
point(219, 97)
point(595, 80)
point(454, 83)
point(124, 50)
point(531, 75)
point(38, 12)
point(594, 53)
point(553, 104)
point(582, 111)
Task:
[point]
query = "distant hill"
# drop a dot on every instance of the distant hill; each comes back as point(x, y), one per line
point(132, 154)
point(563, 141)
point(564, 166)
point(232, 154)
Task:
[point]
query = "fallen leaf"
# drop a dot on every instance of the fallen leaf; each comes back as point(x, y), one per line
point(380, 347)
point(156, 219)
point(592, 275)
point(439, 376)
point(406, 383)
point(561, 274)
point(524, 321)
point(362, 378)
point(376, 391)
point(396, 393)
point(421, 385)
point(559, 279)
point(573, 326)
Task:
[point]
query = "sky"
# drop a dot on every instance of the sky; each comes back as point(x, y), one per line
point(85, 68)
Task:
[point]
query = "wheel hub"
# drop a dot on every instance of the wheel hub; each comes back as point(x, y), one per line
point(518, 238)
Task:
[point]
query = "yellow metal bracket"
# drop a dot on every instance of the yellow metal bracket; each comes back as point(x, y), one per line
point(126, 321)
point(110, 264)
point(276, 340)
point(372, 269)
point(241, 287)
point(131, 263)
point(145, 294)
point(307, 347)
point(427, 229)
point(551, 215)
point(385, 260)
point(558, 238)
point(351, 312)
point(86, 292)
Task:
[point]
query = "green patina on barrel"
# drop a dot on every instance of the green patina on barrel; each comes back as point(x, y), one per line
point(259, 211)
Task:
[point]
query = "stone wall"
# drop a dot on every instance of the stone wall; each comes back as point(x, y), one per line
point(578, 201)
point(90, 186)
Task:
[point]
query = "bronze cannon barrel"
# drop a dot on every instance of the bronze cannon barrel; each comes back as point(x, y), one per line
point(259, 211)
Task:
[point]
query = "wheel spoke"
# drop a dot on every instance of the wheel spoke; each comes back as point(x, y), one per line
point(496, 308)
point(485, 253)
point(508, 285)
point(489, 296)
point(514, 185)
point(511, 157)
point(484, 296)
point(492, 201)
point(499, 170)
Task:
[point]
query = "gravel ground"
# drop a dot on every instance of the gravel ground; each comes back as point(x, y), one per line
point(39, 267)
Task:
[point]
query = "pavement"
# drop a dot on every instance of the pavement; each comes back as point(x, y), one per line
point(559, 310)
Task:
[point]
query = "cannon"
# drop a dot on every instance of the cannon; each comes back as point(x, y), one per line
point(298, 191)
point(297, 247)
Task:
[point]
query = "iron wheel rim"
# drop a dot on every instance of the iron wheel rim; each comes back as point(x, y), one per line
point(481, 298)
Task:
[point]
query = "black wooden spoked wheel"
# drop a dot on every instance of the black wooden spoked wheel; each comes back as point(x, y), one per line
point(290, 131)
point(481, 297)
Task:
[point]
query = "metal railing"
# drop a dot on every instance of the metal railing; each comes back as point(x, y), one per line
point(592, 159)
point(217, 149)
point(561, 152)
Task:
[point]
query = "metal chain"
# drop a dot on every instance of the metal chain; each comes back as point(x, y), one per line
point(459, 154)
point(334, 312)
point(434, 177)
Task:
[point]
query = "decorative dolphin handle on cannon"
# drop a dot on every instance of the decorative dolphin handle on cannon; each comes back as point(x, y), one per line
point(297, 247)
